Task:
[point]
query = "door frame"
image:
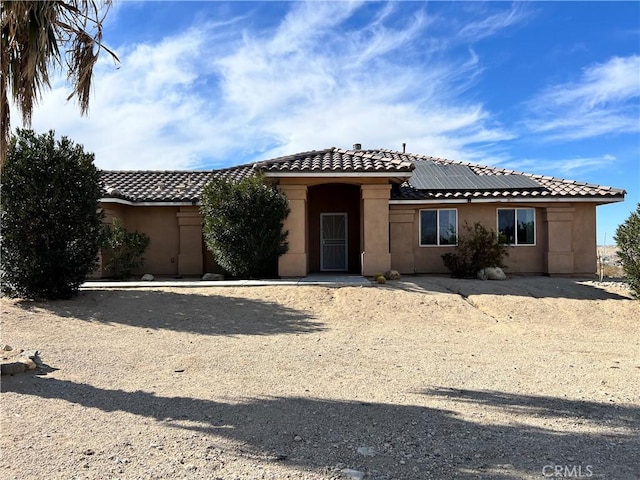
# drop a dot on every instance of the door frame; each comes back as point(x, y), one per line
point(346, 242)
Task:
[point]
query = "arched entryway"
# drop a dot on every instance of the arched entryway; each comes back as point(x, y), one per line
point(334, 228)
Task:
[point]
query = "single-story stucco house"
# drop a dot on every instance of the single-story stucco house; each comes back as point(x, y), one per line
point(365, 211)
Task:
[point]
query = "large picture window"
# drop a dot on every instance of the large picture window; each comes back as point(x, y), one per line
point(438, 227)
point(518, 225)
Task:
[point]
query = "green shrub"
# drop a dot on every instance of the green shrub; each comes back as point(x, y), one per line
point(124, 249)
point(477, 249)
point(243, 225)
point(627, 238)
point(51, 225)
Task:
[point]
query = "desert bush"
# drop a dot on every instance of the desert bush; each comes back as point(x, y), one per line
point(124, 249)
point(244, 225)
point(627, 238)
point(50, 221)
point(478, 248)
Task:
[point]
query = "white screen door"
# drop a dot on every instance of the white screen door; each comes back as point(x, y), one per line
point(333, 242)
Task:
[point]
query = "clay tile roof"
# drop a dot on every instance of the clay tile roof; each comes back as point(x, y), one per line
point(406, 170)
point(155, 186)
point(335, 160)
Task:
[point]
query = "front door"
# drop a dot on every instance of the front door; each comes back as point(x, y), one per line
point(333, 242)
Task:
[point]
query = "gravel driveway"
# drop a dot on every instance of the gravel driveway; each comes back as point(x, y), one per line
point(428, 377)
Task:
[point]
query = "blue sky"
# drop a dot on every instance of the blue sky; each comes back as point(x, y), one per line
point(543, 87)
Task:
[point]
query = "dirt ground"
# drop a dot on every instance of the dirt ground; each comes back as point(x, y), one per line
point(427, 377)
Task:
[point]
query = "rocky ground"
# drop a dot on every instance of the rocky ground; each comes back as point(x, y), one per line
point(427, 377)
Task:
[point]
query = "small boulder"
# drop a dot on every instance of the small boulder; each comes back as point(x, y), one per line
point(495, 273)
point(392, 275)
point(213, 277)
point(147, 277)
point(482, 274)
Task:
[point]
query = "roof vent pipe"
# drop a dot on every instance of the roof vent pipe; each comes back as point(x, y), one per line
point(404, 147)
point(357, 146)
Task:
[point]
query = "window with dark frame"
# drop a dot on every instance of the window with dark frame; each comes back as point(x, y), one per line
point(518, 225)
point(438, 227)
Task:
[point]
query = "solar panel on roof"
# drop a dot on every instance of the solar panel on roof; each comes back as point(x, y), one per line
point(429, 175)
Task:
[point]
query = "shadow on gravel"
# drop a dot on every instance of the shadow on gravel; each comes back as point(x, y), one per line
point(525, 286)
point(193, 313)
point(607, 414)
point(405, 442)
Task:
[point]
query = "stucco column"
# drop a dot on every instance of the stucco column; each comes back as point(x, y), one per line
point(559, 254)
point(295, 263)
point(190, 257)
point(402, 240)
point(375, 229)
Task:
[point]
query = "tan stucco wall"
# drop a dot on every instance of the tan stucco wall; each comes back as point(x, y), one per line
point(584, 239)
point(161, 225)
point(389, 235)
point(176, 246)
point(571, 239)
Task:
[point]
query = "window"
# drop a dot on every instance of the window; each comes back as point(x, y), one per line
point(518, 225)
point(438, 227)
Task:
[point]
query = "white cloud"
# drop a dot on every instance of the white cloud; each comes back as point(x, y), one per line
point(218, 94)
point(565, 167)
point(487, 26)
point(604, 101)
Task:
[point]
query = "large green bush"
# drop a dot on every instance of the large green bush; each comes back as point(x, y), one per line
point(478, 248)
point(627, 238)
point(124, 250)
point(51, 225)
point(243, 225)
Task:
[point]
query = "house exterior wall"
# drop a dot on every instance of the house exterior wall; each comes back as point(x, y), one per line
point(161, 225)
point(387, 235)
point(585, 255)
point(564, 238)
point(176, 246)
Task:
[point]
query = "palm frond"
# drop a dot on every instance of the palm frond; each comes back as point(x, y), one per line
point(39, 37)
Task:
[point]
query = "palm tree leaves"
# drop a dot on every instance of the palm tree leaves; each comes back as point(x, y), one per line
point(38, 37)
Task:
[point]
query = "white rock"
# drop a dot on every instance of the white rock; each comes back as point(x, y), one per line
point(147, 277)
point(495, 273)
point(366, 451)
point(352, 474)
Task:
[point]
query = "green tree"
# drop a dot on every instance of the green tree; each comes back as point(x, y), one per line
point(627, 238)
point(478, 248)
point(124, 249)
point(49, 216)
point(36, 38)
point(243, 225)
